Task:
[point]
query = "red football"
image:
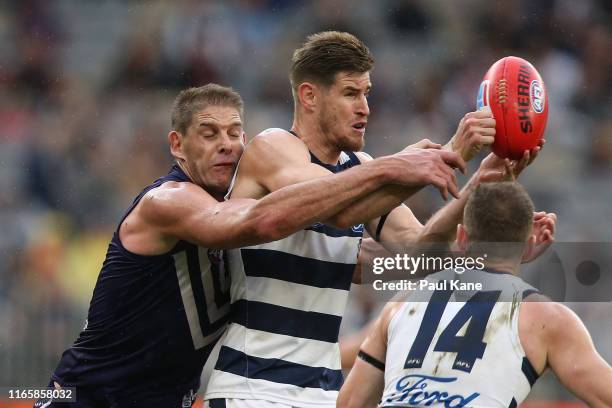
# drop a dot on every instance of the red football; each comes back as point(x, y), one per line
point(514, 90)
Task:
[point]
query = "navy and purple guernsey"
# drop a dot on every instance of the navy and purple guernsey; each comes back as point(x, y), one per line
point(153, 320)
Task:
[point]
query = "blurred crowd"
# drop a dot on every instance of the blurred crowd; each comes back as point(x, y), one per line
point(86, 89)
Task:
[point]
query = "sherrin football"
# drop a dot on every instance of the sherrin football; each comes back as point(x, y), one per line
point(514, 90)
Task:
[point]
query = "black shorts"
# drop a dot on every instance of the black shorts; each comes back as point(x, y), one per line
point(150, 398)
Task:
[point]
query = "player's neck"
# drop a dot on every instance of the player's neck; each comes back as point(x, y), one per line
point(504, 266)
point(316, 140)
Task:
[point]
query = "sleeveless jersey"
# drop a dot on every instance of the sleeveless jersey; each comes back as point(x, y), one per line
point(288, 298)
point(454, 347)
point(152, 320)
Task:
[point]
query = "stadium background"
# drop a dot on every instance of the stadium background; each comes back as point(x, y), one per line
point(86, 89)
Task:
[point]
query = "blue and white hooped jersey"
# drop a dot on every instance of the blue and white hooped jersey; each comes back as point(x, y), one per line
point(451, 348)
point(152, 319)
point(288, 298)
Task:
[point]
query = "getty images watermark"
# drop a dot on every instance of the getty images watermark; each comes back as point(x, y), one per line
point(411, 264)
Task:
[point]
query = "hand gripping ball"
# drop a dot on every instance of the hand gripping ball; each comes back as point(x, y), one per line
point(514, 90)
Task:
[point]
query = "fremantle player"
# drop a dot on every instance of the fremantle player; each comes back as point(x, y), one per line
point(450, 348)
point(288, 296)
point(162, 297)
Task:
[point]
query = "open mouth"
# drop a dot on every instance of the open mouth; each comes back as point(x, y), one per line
point(359, 126)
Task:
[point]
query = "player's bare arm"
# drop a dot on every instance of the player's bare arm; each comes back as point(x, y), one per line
point(184, 211)
point(365, 382)
point(554, 337)
point(402, 229)
point(276, 158)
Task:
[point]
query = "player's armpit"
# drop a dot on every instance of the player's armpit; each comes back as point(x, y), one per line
point(573, 358)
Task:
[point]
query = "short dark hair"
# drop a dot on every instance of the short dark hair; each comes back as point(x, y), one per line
point(499, 212)
point(192, 100)
point(325, 54)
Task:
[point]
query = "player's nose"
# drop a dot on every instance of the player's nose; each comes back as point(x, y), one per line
point(363, 108)
point(225, 144)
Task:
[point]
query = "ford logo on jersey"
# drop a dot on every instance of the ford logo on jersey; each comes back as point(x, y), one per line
point(413, 390)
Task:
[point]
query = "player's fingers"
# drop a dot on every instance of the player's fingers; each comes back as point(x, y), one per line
point(441, 184)
point(487, 123)
point(428, 144)
point(453, 159)
point(522, 163)
point(485, 112)
point(451, 180)
point(452, 188)
point(534, 153)
point(508, 167)
point(549, 223)
point(485, 139)
point(491, 175)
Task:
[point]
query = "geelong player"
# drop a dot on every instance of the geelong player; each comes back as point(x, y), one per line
point(422, 352)
point(288, 296)
point(162, 297)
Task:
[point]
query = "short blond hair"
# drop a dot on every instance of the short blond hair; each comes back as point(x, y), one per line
point(192, 100)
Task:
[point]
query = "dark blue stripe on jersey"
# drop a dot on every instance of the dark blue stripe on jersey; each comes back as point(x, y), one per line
point(278, 371)
point(355, 231)
point(530, 292)
point(193, 265)
point(529, 371)
point(217, 403)
point(287, 321)
point(513, 403)
point(400, 406)
point(292, 268)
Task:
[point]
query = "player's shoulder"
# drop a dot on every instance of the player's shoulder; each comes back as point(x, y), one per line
point(552, 318)
point(363, 156)
point(273, 146)
point(166, 202)
point(276, 138)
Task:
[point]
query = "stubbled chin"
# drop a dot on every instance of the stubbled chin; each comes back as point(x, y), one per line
point(354, 144)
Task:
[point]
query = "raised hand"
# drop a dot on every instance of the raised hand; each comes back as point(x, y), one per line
point(430, 165)
point(544, 225)
point(475, 130)
point(494, 168)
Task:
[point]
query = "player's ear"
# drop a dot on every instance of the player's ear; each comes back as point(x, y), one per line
point(244, 138)
point(529, 247)
point(462, 238)
point(307, 95)
point(175, 140)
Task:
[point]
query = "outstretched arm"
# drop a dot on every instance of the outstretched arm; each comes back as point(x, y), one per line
point(184, 211)
point(275, 159)
point(475, 130)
